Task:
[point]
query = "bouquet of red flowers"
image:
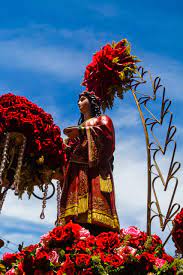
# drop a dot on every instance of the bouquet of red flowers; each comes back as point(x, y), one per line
point(30, 143)
point(177, 232)
point(70, 249)
point(110, 72)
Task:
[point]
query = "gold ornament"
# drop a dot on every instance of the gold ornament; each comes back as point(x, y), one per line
point(40, 160)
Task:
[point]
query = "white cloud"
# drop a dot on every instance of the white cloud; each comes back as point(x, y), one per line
point(126, 116)
point(58, 62)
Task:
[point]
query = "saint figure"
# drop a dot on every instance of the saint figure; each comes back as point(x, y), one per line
point(88, 196)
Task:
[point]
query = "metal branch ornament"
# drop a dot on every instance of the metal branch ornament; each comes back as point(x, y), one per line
point(154, 147)
point(112, 72)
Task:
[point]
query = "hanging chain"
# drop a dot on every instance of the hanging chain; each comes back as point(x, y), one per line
point(4, 158)
point(19, 166)
point(2, 166)
point(2, 201)
point(42, 216)
point(59, 193)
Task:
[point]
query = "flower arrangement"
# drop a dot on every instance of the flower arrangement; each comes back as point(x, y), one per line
point(30, 144)
point(177, 232)
point(70, 250)
point(110, 72)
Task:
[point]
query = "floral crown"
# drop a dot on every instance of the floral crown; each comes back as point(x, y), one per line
point(111, 72)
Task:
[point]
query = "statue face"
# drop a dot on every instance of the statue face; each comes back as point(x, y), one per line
point(84, 105)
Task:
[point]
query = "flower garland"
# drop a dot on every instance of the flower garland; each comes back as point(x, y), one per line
point(110, 72)
point(177, 232)
point(70, 250)
point(34, 145)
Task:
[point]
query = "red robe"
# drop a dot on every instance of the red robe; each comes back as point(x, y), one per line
point(88, 191)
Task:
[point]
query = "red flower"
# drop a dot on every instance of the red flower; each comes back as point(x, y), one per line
point(112, 259)
point(31, 248)
point(10, 258)
point(17, 114)
point(107, 241)
point(62, 234)
point(177, 232)
point(71, 230)
point(167, 258)
point(67, 267)
point(82, 260)
point(110, 72)
point(56, 233)
point(41, 258)
point(147, 259)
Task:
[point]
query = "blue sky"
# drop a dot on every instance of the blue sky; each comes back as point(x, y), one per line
point(44, 49)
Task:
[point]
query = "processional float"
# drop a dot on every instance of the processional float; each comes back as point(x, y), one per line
point(31, 147)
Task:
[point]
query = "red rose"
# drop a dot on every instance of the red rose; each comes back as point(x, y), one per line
point(107, 241)
point(113, 260)
point(27, 262)
point(79, 245)
point(147, 260)
point(71, 230)
point(67, 267)
point(56, 233)
point(10, 258)
point(167, 258)
point(82, 260)
point(31, 247)
point(41, 258)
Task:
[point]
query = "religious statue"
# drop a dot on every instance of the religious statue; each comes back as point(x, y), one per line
point(88, 196)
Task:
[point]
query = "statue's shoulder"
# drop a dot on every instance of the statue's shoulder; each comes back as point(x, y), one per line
point(102, 119)
point(105, 119)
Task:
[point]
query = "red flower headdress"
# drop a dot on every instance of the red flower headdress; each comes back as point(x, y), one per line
point(110, 72)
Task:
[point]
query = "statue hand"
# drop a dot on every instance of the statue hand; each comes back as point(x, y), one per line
point(71, 132)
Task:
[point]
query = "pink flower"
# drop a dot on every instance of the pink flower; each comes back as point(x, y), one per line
point(133, 231)
point(83, 234)
point(45, 239)
point(11, 271)
point(125, 251)
point(159, 262)
point(53, 256)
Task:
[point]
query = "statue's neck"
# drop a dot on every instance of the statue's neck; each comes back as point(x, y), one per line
point(87, 116)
